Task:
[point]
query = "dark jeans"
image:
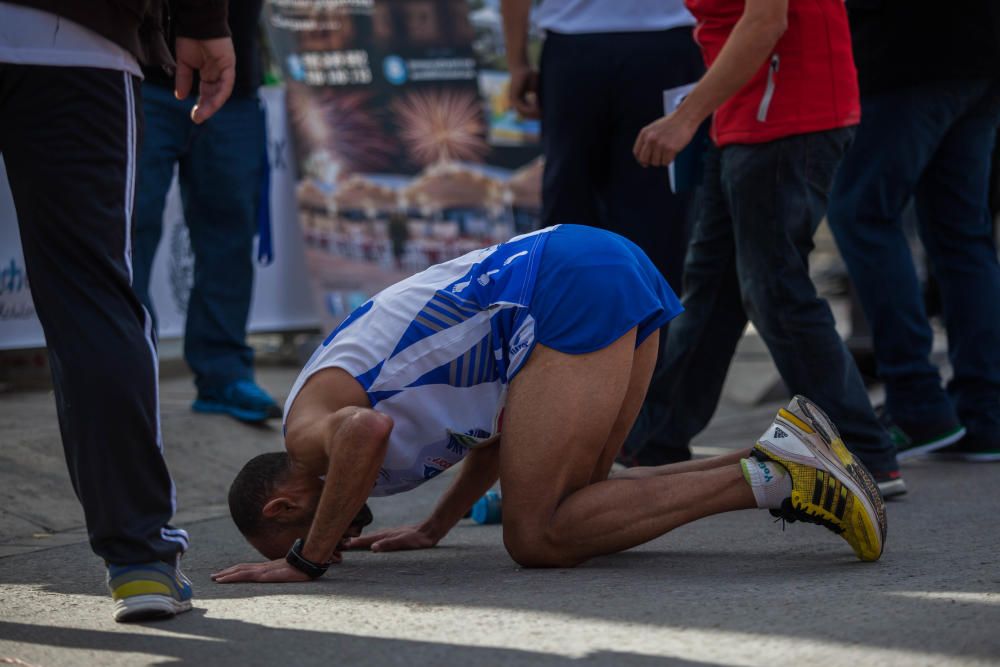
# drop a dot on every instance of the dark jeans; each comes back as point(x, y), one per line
point(597, 92)
point(748, 260)
point(69, 137)
point(219, 172)
point(933, 141)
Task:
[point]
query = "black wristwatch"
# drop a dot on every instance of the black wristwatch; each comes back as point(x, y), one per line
point(303, 564)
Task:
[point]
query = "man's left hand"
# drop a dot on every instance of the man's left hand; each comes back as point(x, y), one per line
point(215, 62)
point(272, 572)
point(394, 539)
point(659, 142)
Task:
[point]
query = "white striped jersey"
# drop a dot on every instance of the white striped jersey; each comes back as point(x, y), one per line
point(435, 353)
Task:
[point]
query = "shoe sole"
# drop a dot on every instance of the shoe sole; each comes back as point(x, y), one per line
point(148, 607)
point(892, 488)
point(968, 457)
point(840, 463)
point(931, 446)
point(249, 416)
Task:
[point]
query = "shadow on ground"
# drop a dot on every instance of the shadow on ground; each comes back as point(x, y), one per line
point(209, 641)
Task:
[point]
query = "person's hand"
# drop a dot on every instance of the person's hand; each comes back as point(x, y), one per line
point(524, 92)
point(216, 64)
point(394, 539)
point(275, 571)
point(659, 142)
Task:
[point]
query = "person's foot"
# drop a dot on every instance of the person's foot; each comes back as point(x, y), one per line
point(146, 591)
point(829, 486)
point(916, 439)
point(972, 448)
point(242, 399)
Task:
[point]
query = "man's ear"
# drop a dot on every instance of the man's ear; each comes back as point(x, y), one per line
point(279, 508)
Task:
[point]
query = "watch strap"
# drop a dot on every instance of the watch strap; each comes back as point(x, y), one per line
point(303, 564)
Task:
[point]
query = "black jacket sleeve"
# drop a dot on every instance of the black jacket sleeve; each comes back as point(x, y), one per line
point(200, 19)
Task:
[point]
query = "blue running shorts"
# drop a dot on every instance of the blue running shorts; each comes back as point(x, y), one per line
point(592, 287)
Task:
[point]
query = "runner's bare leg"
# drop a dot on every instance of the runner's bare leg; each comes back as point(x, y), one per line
point(565, 419)
point(694, 465)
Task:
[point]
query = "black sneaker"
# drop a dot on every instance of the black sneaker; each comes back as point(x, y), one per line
point(913, 439)
point(972, 449)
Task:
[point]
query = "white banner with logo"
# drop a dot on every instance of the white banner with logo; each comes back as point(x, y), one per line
point(282, 300)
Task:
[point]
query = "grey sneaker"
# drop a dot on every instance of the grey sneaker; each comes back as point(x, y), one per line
point(146, 591)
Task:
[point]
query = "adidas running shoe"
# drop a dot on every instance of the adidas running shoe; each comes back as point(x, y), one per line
point(148, 590)
point(829, 486)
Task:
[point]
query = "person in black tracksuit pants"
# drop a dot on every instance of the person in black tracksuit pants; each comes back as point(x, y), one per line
point(69, 136)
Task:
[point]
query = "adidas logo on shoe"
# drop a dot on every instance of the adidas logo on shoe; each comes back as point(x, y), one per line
point(778, 433)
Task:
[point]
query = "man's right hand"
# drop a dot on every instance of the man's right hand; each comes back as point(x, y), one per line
point(394, 539)
point(524, 91)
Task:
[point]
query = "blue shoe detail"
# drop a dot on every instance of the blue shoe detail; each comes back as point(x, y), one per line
point(242, 399)
point(148, 590)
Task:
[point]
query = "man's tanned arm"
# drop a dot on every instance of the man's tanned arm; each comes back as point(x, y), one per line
point(332, 431)
point(752, 39)
point(356, 450)
point(523, 78)
point(355, 441)
point(478, 472)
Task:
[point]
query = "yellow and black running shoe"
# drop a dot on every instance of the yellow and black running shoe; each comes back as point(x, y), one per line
point(829, 486)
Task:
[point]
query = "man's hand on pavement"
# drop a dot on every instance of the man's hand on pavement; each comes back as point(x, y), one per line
point(275, 571)
point(394, 539)
point(216, 64)
point(659, 142)
point(524, 91)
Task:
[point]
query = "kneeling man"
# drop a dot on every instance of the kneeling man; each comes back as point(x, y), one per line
point(528, 361)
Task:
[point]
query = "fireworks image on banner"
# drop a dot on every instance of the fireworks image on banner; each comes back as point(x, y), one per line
point(343, 123)
point(439, 125)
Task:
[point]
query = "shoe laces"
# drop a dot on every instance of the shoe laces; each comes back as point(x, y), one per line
point(790, 513)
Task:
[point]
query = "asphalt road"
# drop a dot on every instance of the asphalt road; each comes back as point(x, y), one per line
point(734, 589)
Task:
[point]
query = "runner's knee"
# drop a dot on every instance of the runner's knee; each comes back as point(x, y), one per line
point(531, 546)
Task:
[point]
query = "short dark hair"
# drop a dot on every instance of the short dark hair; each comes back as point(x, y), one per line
point(253, 487)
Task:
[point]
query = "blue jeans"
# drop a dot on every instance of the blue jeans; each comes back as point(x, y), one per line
point(219, 171)
point(748, 260)
point(932, 141)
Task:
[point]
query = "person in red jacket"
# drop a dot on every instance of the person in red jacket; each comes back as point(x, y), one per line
point(782, 91)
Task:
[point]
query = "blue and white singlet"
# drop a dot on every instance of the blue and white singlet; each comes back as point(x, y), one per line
point(436, 351)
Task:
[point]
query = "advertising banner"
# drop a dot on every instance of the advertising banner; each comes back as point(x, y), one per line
point(408, 153)
point(19, 327)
